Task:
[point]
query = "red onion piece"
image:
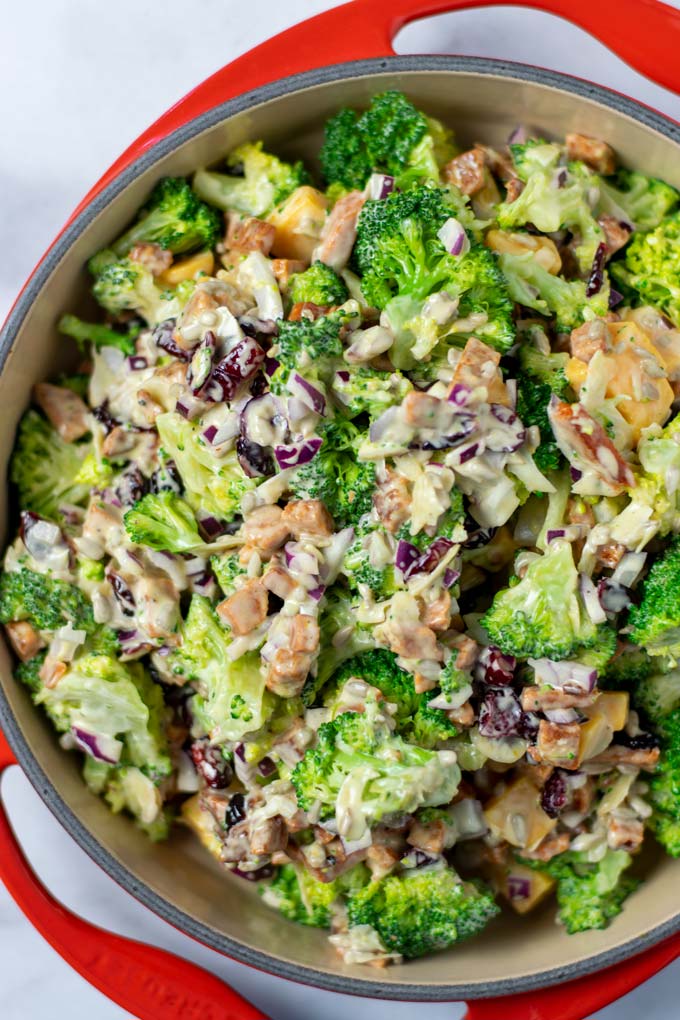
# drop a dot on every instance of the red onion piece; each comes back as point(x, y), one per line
point(317, 593)
point(453, 236)
point(615, 298)
point(450, 577)
point(572, 677)
point(518, 887)
point(519, 135)
point(44, 541)
point(406, 555)
point(135, 362)
point(591, 600)
point(614, 598)
point(508, 438)
point(297, 453)
point(312, 397)
point(163, 337)
point(379, 186)
point(460, 394)
point(97, 745)
point(561, 716)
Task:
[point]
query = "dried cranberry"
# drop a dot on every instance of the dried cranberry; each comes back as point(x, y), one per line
point(211, 764)
point(124, 596)
point(476, 536)
point(528, 726)
point(500, 714)
point(236, 811)
point(254, 876)
point(104, 417)
point(554, 794)
point(596, 277)
point(256, 460)
point(640, 742)
point(495, 668)
point(166, 478)
point(258, 385)
point(131, 487)
point(164, 337)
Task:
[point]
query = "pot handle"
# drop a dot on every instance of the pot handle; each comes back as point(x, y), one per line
point(148, 982)
point(644, 33)
point(579, 999)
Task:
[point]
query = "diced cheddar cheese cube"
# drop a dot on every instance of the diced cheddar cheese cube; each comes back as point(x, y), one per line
point(516, 815)
point(187, 269)
point(612, 706)
point(202, 823)
point(596, 735)
point(523, 888)
point(298, 224)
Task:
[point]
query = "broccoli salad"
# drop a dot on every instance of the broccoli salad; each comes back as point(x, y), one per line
point(352, 541)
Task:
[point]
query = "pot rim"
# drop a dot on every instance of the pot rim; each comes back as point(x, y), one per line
point(40, 781)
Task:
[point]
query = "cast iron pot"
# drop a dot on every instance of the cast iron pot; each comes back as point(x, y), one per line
point(282, 92)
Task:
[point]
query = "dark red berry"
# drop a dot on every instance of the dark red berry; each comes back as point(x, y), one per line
point(554, 794)
point(211, 764)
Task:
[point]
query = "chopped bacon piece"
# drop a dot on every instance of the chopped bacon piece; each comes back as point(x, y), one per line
point(246, 609)
point(152, 257)
point(64, 408)
point(592, 151)
point(339, 232)
point(307, 517)
point(467, 171)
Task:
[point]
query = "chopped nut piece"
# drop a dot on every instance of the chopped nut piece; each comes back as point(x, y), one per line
point(617, 754)
point(339, 232)
point(278, 581)
point(24, 639)
point(547, 699)
point(249, 234)
point(119, 440)
point(266, 530)
point(466, 171)
point(283, 269)
point(246, 609)
point(380, 860)
point(268, 836)
point(152, 257)
point(64, 408)
point(616, 233)
point(558, 743)
point(422, 684)
point(625, 833)
point(437, 614)
point(304, 635)
point(464, 715)
point(585, 340)
point(287, 672)
point(307, 517)
point(478, 366)
point(513, 189)
point(467, 651)
point(579, 434)
point(554, 843)
point(149, 407)
point(430, 837)
point(392, 501)
point(413, 641)
point(157, 602)
point(592, 151)
point(582, 798)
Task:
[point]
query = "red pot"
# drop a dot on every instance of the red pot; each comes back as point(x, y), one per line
point(149, 982)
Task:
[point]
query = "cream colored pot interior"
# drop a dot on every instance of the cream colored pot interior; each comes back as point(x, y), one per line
point(479, 107)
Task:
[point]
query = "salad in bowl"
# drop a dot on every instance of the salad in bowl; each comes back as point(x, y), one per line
point(351, 540)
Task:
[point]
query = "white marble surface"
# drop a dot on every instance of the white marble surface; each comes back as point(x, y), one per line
point(78, 81)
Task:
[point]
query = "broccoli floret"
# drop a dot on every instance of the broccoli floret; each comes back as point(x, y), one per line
point(391, 137)
point(402, 260)
point(226, 569)
point(45, 469)
point(539, 377)
point(163, 521)
point(415, 721)
point(390, 775)
point(655, 622)
point(128, 788)
point(365, 390)
point(257, 181)
point(338, 617)
point(98, 335)
point(422, 912)
point(664, 784)
point(630, 196)
point(659, 456)
point(122, 285)
point(335, 475)
point(658, 695)
point(230, 697)
point(651, 268)
point(554, 197)
point(455, 683)
point(542, 616)
point(301, 897)
point(28, 672)
point(627, 670)
point(531, 285)
point(213, 484)
point(599, 654)
point(118, 706)
point(359, 571)
point(173, 218)
point(319, 284)
point(589, 895)
point(47, 603)
point(311, 346)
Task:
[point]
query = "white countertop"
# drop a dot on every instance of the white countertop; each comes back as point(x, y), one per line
point(78, 81)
